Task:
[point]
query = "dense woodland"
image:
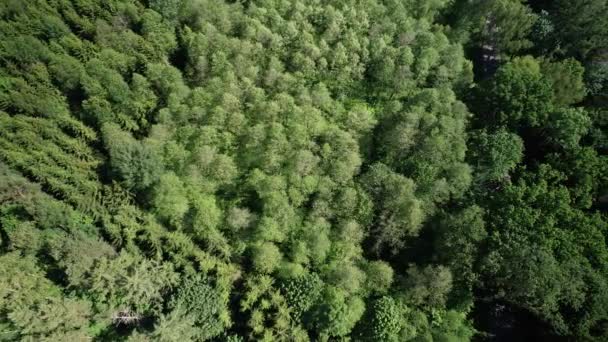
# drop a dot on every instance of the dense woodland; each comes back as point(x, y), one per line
point(303, 170)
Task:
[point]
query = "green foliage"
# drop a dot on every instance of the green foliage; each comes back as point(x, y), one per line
point(137, 165)
point(269, 314)
point(584, 169)
point(345, 276)
point(266, 257)
point(172, 327)
point(33, 307)
point(537, 259)
point(338, 313)
point(167, 8)
point(452, 326)
point(581, 28)
point(519, 94)
point(132, 283)
point(170, 202)
point(301, 293)
point(566, 79)
point(201, 309)
point(459, 236)
point(428, 286)
point(385, 321)
point(399, 212)
point(568, 126)
point(499, 24)
point(379, 276)
point(596, 77)
point(494, 154)
point(300, 170)
point(77, 255)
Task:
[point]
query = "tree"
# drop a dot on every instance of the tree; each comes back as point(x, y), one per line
point(458, 238)
point(136, 164)
point(266, 257)
point(172, 327)
point(428, 286)
point(453, 326)
point(399, 211)
point(519, 94)
point(540, 283)
point(596, 77)
point(239, 218)
point(533, 249)
point(494, 154)
point(169, 9)
point(159, 33)
point(567, 126)
point(269, 313)
point(345, 276)
point(383, 321)
point(33, 307)
point(167, 81)
point(267, 170)
point(585, 169)
point(207, 216)
point(336, 315)
point(200, 307)
point(503, 25)
point(580, 28)
point(131, 283)
point(301, 293)
point(77, 255)
point(379, 276)
point(567, 80)
point(170, 202)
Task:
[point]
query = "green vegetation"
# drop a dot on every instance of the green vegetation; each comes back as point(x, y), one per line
point(374, 170)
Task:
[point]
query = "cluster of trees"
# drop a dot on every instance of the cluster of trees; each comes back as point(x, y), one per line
point(536, 142)
point(193, 170)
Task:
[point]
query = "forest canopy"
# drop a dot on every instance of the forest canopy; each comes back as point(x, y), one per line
point(369, 170)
